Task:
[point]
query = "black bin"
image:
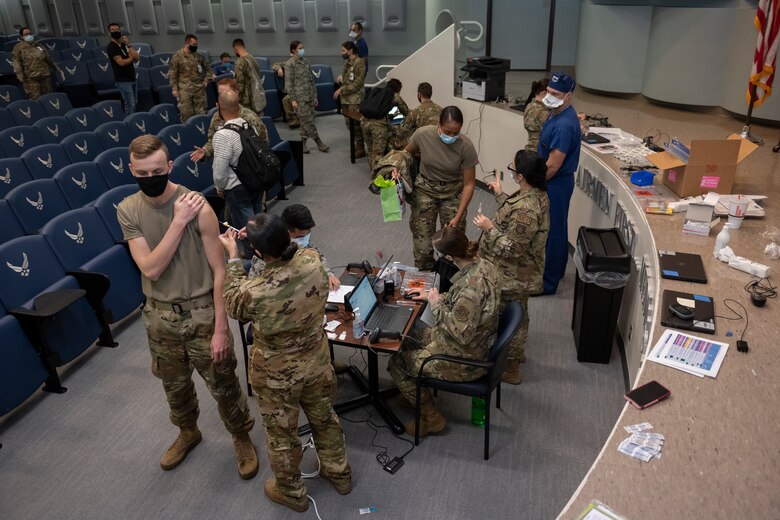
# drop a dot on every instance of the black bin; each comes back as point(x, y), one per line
point(603, 267)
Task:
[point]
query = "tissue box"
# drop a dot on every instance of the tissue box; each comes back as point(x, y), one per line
point(698, 219)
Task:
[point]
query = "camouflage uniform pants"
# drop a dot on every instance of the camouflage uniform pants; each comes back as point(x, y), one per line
point(405, 365)
point(306, 113)
point(398, 138)
point(431, 201)
point(517, 343)
point(191, 103)
point(358, 130)
point(283, 386)
point(36, 87)
point(289, 113)
point(180, 342)
point(375, 136)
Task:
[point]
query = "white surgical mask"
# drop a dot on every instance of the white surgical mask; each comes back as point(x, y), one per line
point(28, 38)
point(352, 34)
point(551, 101)
point(448, 139)
point(303, 241)
point(301, 53)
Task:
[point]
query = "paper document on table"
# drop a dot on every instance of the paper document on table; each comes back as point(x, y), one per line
point(692, 354)
point(598, 511)
point(339, 294)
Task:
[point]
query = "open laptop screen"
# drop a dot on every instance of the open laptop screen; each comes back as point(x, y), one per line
point(363, 298)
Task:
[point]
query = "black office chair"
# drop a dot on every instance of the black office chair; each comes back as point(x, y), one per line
point(508, 323)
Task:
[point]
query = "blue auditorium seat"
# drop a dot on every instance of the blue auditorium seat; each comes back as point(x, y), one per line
point(76, 83)
point(7, 68)
point(160, 85)
point(76, 55)
point(178, 140)
point(269, 79)
point(99, 52)
point(145, 95)
point(9, 94)
point(82, 146)
point(54, 44)
point(44, 160)
point(11, 227)
point(113, 134)
point(82, 43)
point(102, 77)
point(36, 202)
point(55, 103)
point(161, 58)
point(6, 121)
point(81, 183)
point(15, 141)
point(263, 62)
point(167, 114)
point(273, 133)
point(50, 305)
point(53, 129)
point(115, 167)
point(55, 55)
point(144, 49)
point(106, 206)
point(109, 110)
point(141, 123)
point(13, 173)
point(26, 111)
point(273, 104)
point(83, 119)
point(323, 79)
point(195, 176)
point(82, 242)
point(199, 128)
point(22, 371)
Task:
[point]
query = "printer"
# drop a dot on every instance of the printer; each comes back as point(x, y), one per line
point(486, 78)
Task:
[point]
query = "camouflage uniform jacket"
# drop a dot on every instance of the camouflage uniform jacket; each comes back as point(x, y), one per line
point(534, 116)
point(258, 264)
point(353, 80)
point(299, 80)
point(243, 73)
point(516, 242)
point(244, 113)
point(425, 114)
point(285, 304)
point(467, 314)
point(188, 71)
point(30, 60)
point(400, 160)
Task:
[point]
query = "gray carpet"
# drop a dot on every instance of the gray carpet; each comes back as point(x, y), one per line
point(93, 452)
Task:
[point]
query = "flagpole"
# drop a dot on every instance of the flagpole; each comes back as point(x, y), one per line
point(746, 129)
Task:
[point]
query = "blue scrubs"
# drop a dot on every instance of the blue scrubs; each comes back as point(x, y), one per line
point(560, 132)
point(362, 49)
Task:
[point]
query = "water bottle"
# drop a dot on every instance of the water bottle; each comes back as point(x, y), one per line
point(358, 326)
point(477, 411)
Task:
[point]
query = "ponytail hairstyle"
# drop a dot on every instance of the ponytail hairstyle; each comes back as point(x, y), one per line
point(451, 241)
point(536, 88)
point(532, 167)
point(268, 235)
point(350, 46)
point(294, 45)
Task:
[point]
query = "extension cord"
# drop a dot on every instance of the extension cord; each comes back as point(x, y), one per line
point(394, 465)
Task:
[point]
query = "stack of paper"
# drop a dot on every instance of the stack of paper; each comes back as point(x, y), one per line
point(692, 354)
point(642, 445)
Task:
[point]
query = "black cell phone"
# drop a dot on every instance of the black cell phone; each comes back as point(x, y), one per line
point(681, 311)
point(647, 395)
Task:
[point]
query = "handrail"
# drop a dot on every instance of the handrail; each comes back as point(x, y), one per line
point(383, 78)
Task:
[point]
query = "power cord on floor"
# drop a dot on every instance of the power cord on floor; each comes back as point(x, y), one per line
point(383, 458)
point(316, 511)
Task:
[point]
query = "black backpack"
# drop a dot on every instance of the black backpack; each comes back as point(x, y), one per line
point(377, 102)
point(258, 167)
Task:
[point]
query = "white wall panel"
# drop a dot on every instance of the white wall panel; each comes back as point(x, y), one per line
point(145, 19)
point(294, 15)
point(41, 22)
point(66, 18)
point(394, 15)
point(263, 15)
point(202, 16)
point(117, 13)
point(358, 11)
point(173, 18)
point(233, 14)
point(90, 16)
point(326, 15)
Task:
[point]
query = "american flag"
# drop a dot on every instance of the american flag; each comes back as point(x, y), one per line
point(762, 75)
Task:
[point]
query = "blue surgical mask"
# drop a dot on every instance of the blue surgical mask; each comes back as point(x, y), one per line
point(301, 53)
point(448, 139)
point(28, 38)
point(303, 241)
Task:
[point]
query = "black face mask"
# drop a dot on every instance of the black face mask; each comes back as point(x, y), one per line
point(345, 56)
point(193, 48)
point(115, 34)
point(153, 186)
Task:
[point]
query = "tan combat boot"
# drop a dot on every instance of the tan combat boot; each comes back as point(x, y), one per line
point(188, 438)
point(511, 373)
point(339, 367)
point(246, 455)
point(321, 146)
point(360, 152)
point(296, 504)
point(431, 421)
point(341, 485)
point(305, 150)
point(403, 402)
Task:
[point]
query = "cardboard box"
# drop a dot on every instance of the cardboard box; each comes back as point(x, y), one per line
point(711, 166)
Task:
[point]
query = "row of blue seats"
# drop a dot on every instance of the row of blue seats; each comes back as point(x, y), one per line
point(79, 42)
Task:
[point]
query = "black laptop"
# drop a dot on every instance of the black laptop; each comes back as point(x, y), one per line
point(686, 267)
point(703, 312)
point(390, 318)
point(592, 138)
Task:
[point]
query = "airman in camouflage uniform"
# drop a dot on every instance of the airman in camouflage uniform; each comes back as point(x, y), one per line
point(397, 137)
point(352, 79)
point(427, 113)
point(244, 113)
point(184, 313)
point(466, 318)
point(302, 91)
point(290, 368)
point(289, 114)
point(246, 68)
point(534, 116)
point(189, 74)
point(377, 132)
point(31, 65)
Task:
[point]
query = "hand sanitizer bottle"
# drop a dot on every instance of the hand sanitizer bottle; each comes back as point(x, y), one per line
point(722, 240)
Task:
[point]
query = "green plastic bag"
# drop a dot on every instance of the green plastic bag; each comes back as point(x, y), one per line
point(391, 206)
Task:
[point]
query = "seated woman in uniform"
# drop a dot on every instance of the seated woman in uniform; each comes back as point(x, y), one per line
point(466, 318)
point(289, 364)
point(514, 242)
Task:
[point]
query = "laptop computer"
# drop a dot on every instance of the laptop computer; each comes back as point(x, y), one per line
point(592, 138)
point(702, 307)
point(391, 318)
point(686, 267)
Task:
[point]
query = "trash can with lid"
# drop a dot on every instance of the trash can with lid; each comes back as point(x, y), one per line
point(603, 267)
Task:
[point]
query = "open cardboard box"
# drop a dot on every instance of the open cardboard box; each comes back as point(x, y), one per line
point(711, 166)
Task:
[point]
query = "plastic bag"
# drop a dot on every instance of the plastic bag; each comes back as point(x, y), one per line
point(391, 206)
point(604, 279)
